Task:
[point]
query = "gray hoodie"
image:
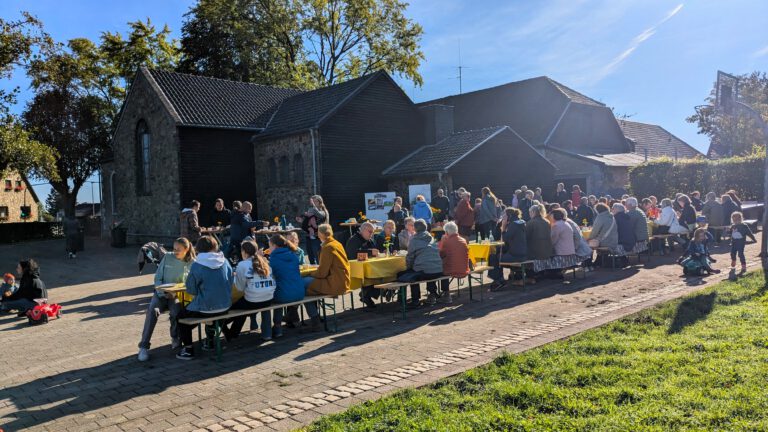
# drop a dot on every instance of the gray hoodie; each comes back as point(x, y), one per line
point(423, 254)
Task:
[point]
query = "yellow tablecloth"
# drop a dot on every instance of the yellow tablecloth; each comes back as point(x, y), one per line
point(376, 270)
point(481, 251)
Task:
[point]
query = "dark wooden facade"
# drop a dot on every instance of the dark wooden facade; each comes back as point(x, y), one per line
point(215, 163)
point(368, 134)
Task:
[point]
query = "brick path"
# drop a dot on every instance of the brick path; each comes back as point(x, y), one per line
point(80, 373)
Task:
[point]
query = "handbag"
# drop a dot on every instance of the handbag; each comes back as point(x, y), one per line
point(593, 243)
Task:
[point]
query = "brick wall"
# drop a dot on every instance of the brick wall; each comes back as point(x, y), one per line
point(158, 212)
point(13, 199)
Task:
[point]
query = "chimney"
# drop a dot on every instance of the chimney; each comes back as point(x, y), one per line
point(438, 122)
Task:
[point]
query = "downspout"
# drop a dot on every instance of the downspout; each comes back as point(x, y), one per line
point(314, 162)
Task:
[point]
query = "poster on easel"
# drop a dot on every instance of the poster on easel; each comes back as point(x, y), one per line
point(378, 204)
point(416, 190)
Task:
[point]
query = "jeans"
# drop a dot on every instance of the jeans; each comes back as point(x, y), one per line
point(421, 276)
point(497, 273)
point(185, 331)
point(21, 305)
point(311, 307)
point(737, 247)
point(237, 322)
point(157, 305)
point(313, 250)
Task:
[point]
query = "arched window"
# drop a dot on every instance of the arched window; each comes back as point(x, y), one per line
point(285, 170)
point(272, 170)
point(143, 143)
point(113, 193)
point(298, 169)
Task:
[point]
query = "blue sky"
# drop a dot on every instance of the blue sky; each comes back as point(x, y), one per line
point(651, 59)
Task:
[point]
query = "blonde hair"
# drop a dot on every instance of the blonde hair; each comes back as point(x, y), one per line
point(190, 255)
point(737, 217)
point(325, 229)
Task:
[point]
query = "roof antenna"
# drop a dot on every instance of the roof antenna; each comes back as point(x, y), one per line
point(460, 67)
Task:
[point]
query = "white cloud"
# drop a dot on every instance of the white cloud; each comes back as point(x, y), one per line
point(761, 52)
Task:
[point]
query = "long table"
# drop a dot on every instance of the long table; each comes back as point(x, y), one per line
point(481, 251)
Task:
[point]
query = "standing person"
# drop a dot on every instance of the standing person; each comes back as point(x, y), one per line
point(289, 285)
point(696, 201)
point(584, 215)
point(487, 215)
point(729, 207)
point(735, 198)
point(190, 226)
point(332, 277)
point(173, 268)
point(465, 217)
point(525, 205)
point(739, 233)
point(406, 234)
point(455, 255)
point(221, 216)
point(240, 228)
point(576, 193)
point(422, 263)
point(72, 234)
point(398, 213)
point(253, 278)
point(422, 210)
point(537, 195)
point(31, 287)
point(515, 248)
point(561, 194)
point(713, 211)
point(316, 215)
point(515, 199)
point(210, 280)
point(362, 241)
point(441, 203)
point(387, 240)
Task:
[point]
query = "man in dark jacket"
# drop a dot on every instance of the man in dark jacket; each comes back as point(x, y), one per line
point(441, 203)
point(240, 227)
point(221, 216)
point(189, 224)
point(30, 288)
point(561, 195)
point(584, 213)
point(624, 226)
point(525, 205)
point(362, 241)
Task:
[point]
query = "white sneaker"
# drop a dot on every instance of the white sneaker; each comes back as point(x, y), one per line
point(143, 354)
point(446, 298)
point(175, 343)
point(431, 299)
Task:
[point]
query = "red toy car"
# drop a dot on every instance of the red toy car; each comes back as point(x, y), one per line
point(43, 312)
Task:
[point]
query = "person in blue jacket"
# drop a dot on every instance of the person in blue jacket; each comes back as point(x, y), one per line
point(240, 226)
point(422, 210)
point(290, 286)
point(210, 281)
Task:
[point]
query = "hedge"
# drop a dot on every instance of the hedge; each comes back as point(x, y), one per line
point(665, 177)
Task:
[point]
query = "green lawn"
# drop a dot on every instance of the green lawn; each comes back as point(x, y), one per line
point(698, 363)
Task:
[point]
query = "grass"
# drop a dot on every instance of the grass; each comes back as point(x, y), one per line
point(697, 363)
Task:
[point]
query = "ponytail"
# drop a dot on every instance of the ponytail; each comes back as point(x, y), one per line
point(259, 263)
point(280, 241)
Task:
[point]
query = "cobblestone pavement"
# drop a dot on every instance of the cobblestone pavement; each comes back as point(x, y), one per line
point(80, 373)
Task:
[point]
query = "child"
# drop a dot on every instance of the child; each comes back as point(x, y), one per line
point(294, 239)
point(9, 285)
point(698, 251)
point(739, 233)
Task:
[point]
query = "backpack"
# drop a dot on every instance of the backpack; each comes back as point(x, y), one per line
point(43, 312)
point(692, 267)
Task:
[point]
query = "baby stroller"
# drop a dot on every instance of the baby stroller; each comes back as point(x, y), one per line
point(150, 253)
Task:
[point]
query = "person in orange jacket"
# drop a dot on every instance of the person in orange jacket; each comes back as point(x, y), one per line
point(332, 277)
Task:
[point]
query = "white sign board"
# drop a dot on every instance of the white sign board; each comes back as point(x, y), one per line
point(416, 190)
point(378, 204)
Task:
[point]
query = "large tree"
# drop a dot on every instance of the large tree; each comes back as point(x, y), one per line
point(300, 43)
point(738, 133)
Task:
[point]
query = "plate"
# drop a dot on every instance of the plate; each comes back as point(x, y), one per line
point(165, 286)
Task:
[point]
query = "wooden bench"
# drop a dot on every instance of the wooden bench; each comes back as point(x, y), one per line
point(651, 242)
point(401, 293)
point(218, 320)
point(517, 265)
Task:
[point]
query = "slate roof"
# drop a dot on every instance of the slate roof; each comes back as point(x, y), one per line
point(441, 156)
point(307, 110)
point(616, 159)
point(574, 95)
point(218, 103)
point(656, 140)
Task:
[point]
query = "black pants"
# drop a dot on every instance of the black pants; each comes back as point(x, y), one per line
point(411, 275)
point(185, 330)
point(368, 292)
point(484, 229)
point(737, 248)
point(238, 322)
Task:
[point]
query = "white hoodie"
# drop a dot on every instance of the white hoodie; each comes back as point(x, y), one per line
point(212, 260)
point(257, 288)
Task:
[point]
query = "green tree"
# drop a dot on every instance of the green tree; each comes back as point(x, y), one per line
point(300, 43)
point(53, 203)
point(738, 134)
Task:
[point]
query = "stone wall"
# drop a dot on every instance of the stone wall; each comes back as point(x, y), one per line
point(286, 196)
point(13, 199)
point(156, 214)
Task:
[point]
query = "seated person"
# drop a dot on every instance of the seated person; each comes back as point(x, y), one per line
point(455, 255)
point(561, 234)
point(515, 248)
point(30, 289)
point(698, 252)
point(387, 240)
point(173, 268)
point(293, 237)
point(626, 232)
point(332, 277)
point(406, 234)
point(253, 278)
point(422, 263)
point(604, 232)
point(639, 224)
point(538, 235)
point(289, 286)
point(584, 215)
point(210, 280)
point(362, 242)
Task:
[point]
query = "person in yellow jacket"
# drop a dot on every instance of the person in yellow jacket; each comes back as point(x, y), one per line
point(331, 277)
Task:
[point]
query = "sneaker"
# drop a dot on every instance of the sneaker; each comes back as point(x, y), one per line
point(175, 343)
point(186, 353)
point(74, 256)
point(431, 299)
point(446, 298)
point(143, 354)
point(388, 295)
point(207, 345)
point(277, 332)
